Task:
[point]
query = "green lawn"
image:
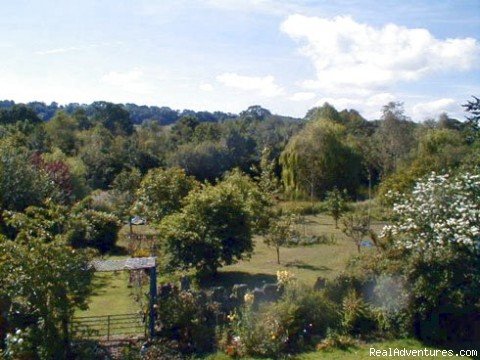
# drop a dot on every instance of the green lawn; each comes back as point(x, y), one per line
point(306, 262)
point(113, 296)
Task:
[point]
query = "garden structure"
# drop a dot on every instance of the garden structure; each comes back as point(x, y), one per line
point(130, 264)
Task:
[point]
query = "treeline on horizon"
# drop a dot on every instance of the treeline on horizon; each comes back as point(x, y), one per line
point(99, 147)
point(164, 115)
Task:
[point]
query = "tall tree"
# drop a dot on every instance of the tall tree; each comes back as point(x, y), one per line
point(473, 120)
point(161, 192)
point(318, 158)
point(394, 138)
point(61, 132)
point(113, 117)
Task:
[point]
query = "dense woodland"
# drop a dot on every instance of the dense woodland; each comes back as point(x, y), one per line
point(71, 175)
point(85, 148)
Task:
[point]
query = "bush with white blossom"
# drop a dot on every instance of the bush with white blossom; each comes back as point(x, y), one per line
point(442, 211)
point(15, 344)
point(436, 251)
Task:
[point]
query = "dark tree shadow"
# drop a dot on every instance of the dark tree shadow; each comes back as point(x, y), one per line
point(301, 265)
point(230, 278)
point(118, 250)
point(100, 283)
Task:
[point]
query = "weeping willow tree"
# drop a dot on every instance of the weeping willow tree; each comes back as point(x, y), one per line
point(318, 159)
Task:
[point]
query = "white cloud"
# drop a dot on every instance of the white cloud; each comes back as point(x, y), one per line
point(131, 81)
point(275, 7)
point(206, 87)
point(302, 96)
point(68, 49)
point(359, 59)
point(265, 85)
point(122, 78)
point(432, 109)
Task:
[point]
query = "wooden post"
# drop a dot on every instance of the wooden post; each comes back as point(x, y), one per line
point(153, 300)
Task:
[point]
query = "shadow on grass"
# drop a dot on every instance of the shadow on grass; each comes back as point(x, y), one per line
point(101, 281)
point(302, 265)
point(230, 278)
point(118, 251)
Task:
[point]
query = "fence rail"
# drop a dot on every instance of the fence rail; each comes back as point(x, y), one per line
point(109, 327)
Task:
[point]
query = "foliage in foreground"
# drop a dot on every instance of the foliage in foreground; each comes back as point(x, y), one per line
point(42, 283)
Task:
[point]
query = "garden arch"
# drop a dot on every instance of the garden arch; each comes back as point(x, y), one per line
point(145, 263)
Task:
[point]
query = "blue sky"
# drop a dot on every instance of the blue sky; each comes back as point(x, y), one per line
point(287, 56)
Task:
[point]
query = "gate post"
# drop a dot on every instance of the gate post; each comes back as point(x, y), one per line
point(153, 300)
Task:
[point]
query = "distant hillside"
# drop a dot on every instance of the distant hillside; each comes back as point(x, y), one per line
point(141, 113)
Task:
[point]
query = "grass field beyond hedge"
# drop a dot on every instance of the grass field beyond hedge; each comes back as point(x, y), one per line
point(306, 262)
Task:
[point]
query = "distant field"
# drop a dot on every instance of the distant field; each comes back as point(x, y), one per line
point(306, 262)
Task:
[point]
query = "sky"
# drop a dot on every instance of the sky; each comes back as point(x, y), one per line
point(287, 56)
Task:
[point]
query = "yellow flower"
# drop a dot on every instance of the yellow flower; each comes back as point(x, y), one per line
point(232, 317)
point(248, 298)
point(284, 277)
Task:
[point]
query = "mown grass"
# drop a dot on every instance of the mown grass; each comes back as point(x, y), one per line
point(306, 262)
point(113, 296)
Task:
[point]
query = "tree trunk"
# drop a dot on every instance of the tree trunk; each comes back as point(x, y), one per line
point(278, 255)
point(369, 193)
point(66, 338)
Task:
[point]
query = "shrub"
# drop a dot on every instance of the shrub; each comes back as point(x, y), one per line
point(357, 317)
point(435, 231)
point(214, 228)
point(95, 229)
point(334, 340)
point(337, 289)
point(291, 324)
point(187, 320)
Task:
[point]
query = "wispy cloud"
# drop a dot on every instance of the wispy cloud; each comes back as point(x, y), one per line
point(431, 109)
point(302, 96)
point(264, 86)
point(67, 49)
point(272, 7)
point(206, 87)
point(131, 81)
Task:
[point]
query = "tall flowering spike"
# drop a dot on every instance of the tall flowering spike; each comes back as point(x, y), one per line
point(441, 211)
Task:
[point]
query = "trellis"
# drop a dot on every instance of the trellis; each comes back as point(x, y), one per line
point(135, 264)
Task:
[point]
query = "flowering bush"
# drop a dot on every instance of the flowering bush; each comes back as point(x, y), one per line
point(285, 277)
point(16, 347)
point(298, 319)
point(441, 211)
point(436, 237)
